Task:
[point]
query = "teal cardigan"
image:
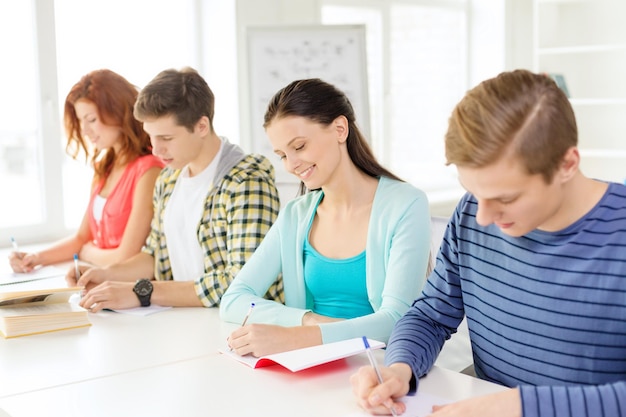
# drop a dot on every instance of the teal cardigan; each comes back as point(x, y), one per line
point(397, 253)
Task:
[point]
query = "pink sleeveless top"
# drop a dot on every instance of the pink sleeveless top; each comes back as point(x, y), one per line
point(107, 233)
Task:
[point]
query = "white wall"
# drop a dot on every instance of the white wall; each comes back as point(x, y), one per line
point(265, 13)
point(486, 57)
point(490, 19)
point(518, 21)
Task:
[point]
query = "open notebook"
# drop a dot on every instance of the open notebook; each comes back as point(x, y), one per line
point(45, 272)
point(299, 359)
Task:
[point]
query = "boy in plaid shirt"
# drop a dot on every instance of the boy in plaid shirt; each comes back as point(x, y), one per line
point(213, 204)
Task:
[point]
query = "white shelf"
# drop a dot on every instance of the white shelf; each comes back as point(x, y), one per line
point(604, 153)
point(580, 26)
point(582, 49)
point(585, 41)
point(597, 101)
point(563, 1)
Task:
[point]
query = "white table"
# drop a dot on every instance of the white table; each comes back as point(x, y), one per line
point(168, 364)
point(114, 344)
point(215, 385)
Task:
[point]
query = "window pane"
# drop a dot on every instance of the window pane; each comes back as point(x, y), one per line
point(428, 77)
point(417, 72)
point(372, 20)
point(136, 39)
point(19, 118)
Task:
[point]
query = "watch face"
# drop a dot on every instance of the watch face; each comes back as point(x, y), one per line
point(143, 287)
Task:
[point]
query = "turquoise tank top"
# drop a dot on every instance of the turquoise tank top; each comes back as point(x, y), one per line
point(337, 286)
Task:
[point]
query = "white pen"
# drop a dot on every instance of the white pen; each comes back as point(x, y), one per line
point(245, 319)
point(370, 356)
point(16, 249)
point(77, 273)
point(76, 270)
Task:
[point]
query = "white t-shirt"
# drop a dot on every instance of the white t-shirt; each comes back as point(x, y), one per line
point(98, 207)
point(181, 219)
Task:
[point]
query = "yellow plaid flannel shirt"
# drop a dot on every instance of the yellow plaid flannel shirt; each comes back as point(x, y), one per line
point(237, 214)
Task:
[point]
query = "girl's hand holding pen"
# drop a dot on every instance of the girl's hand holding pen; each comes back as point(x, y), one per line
point(261, 339)
point(22, 262)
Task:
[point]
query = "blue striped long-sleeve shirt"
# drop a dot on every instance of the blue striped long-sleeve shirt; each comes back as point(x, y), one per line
point(546, 311)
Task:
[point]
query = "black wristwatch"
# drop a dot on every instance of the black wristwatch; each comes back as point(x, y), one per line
point(143, 289)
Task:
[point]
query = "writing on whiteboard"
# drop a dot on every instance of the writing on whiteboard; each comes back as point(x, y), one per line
point(280, 55)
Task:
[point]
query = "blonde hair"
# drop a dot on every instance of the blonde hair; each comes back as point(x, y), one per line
point(517, 113)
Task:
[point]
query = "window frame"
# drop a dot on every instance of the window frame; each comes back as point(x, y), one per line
point(50, 154)
point(211, 20)
point(440, 198)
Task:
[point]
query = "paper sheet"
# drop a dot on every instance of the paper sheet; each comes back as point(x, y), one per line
point(136, 311)
point(143, 311)
point(419, 405)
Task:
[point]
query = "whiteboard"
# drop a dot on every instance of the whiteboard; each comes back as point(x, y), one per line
point(278, 55)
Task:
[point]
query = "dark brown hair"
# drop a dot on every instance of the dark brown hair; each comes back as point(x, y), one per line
point(322, 103)
point(183, 94)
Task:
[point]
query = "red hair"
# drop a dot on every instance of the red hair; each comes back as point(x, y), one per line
point(114, 97)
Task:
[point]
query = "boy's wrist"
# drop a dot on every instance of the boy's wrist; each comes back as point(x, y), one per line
point(405, 374)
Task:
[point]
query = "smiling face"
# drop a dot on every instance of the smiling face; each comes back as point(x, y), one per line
point(514, 200)
point(310, 151)
point(101, 135)
point(174, 144)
